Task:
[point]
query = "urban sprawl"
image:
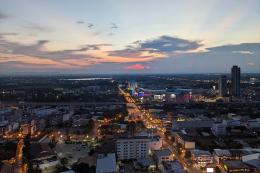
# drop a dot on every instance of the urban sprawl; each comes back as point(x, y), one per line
point(131, 123)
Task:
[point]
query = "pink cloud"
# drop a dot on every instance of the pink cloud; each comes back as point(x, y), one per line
point(136, 67)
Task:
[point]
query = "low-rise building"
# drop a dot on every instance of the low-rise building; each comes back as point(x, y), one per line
point(43, 157)
point(155, 143)
point(230, 166)
point(220, 155)
point(253, 123)
point(252, 160)
point(201, 157)
point(219, 129)
point(189, 124)
point(184, 140)
point(106, 163)
point(163, 155)
point(171, 167)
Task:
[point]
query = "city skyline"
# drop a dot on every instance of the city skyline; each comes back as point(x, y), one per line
point(65, 37)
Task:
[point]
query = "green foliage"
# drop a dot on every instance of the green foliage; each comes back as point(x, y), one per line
point(187, 154)
point(61, 168)
point(179, 147)
point(53, 142)
point(89, 127)
point(64, 161)
point(83, 168)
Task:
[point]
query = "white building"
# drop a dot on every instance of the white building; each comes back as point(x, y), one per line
point(13, 127)
point(185, 141)
point(155, 143)
point(66, 117)
point(106, 163)
point(220, 154)
point(163, 155)
point(132, 148)
point(201, 157)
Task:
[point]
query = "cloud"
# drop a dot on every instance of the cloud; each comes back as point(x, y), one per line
point(111, 34)
point(243, 48)
point(244, 52)
point(251, 64)
point(90, 25)
point(4, 16)
point(153, 49)
point(37, 54)
point(169, 44)
point(114, 26)
point(136, 67)
point(8, 34)
point(80, 22)
point(36, 27)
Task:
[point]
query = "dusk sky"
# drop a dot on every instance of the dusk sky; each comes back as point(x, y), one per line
point(129, 36)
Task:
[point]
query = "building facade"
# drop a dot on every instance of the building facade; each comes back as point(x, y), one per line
point(222, 86)
point(132, 148)
point(235, 81)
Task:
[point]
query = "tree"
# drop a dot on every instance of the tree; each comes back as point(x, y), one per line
point(187, 154)
point(89, 127)
point(60, 168)
point(91, 152)
point(83, 168)
point(179, 147)
point(53, 142)
point(64, 161)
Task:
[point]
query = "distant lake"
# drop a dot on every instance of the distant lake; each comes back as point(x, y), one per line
point(82, 79)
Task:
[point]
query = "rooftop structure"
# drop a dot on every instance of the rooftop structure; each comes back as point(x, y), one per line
point(106, 163)
point(172, 167)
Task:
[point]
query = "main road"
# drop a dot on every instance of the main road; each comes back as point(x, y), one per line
point(20, 167)
point(153, 122)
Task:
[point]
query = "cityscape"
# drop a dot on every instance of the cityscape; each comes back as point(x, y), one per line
point(129, 86)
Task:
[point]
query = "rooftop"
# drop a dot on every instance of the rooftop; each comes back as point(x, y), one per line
point(162, 153)
point(200, 152)
point(106, 163)
point(173, 167)
point(220, 152)
point(231, 164)
point(41, 150)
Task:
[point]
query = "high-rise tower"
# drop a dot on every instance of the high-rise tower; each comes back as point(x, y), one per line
point(235, 81)
point(222, 86)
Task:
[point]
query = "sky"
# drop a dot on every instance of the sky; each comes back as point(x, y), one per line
point(129, 36)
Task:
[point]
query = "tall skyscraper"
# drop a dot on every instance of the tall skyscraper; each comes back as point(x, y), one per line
point(235, 81)
point(222, 86)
